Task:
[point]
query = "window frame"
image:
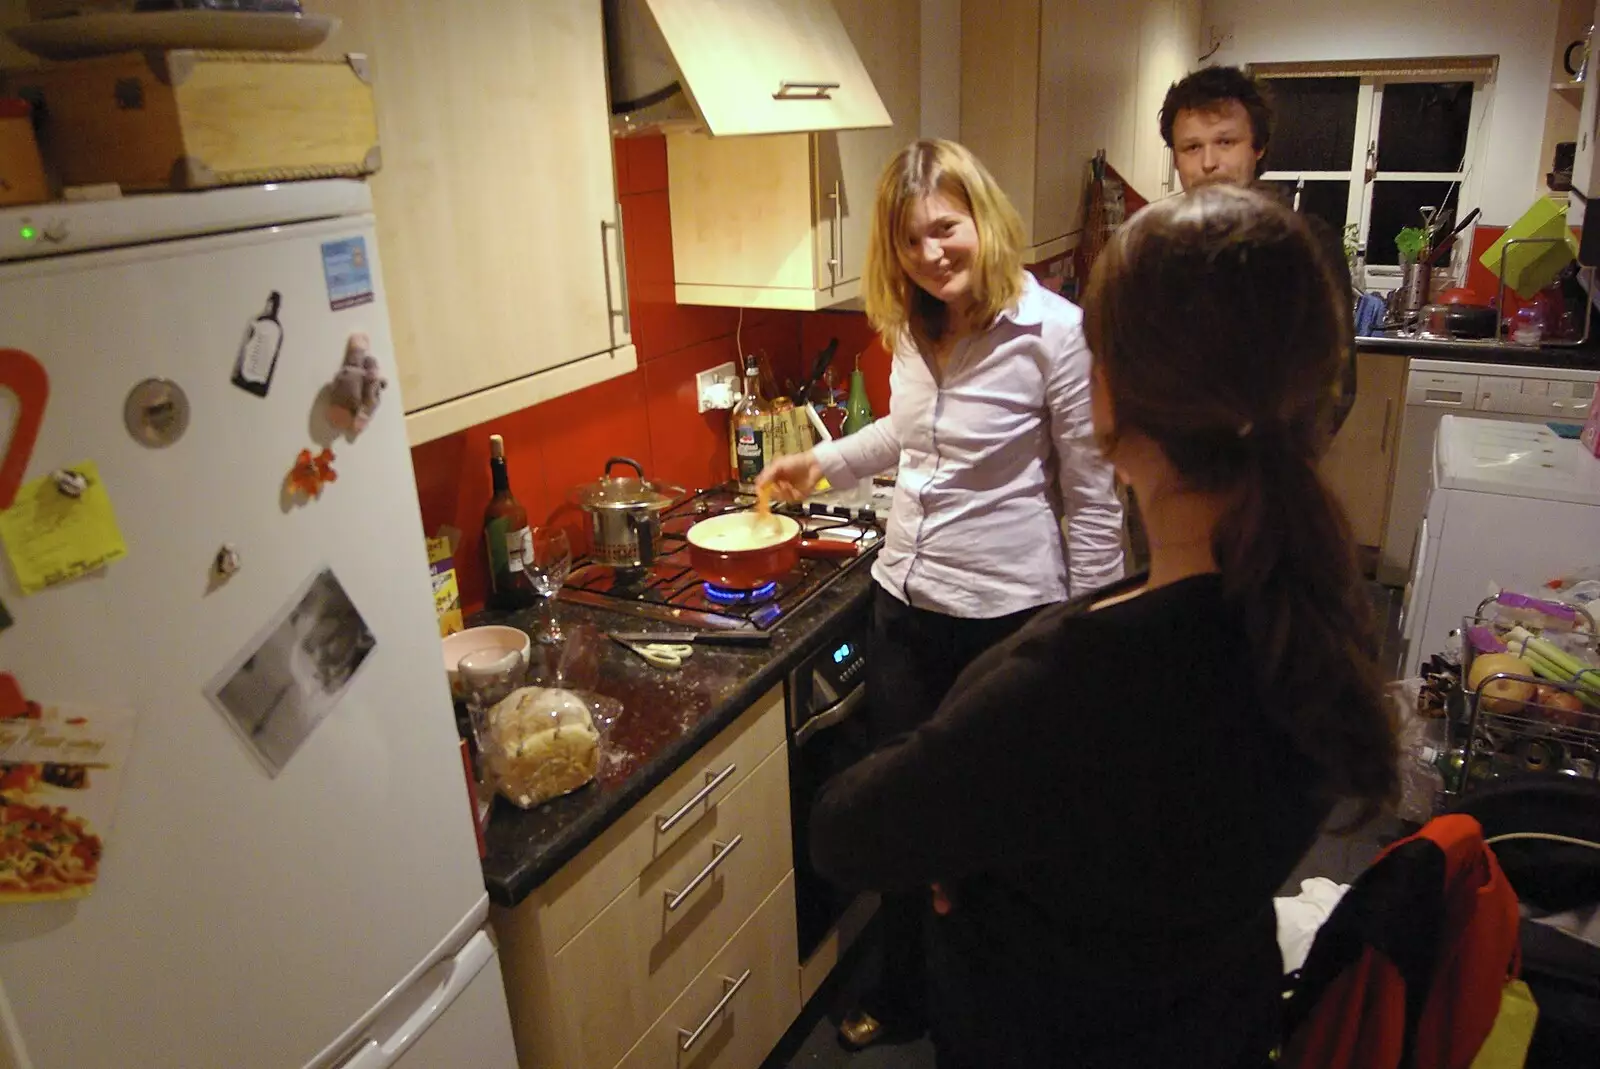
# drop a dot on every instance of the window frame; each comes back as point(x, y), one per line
point(1363, 148)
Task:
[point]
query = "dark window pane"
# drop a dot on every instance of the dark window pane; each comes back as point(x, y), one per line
point(1424, 126)
point(1314, 123)
point(1397, 205)
point(1325, 200)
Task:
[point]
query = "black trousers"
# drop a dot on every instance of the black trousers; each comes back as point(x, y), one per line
point(916, 657)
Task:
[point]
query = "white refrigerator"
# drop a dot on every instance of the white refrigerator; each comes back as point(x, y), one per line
point(291, 877)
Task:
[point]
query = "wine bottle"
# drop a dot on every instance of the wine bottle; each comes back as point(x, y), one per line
point(507, 539)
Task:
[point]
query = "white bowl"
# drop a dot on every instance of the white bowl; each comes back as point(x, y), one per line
point(489, 637)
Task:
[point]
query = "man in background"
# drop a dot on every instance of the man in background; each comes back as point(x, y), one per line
point(1218, 123)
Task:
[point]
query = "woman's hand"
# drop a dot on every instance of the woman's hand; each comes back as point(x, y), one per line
point(792, 477)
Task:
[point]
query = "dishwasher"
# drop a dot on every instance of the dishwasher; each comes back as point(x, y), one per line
point(1437, 388)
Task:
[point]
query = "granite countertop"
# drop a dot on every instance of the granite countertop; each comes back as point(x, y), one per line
point(667, 717)
point(1585, 356)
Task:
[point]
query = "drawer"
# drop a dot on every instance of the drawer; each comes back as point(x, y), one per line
point(626, 967)
point(739, 1006)
point(608, 866)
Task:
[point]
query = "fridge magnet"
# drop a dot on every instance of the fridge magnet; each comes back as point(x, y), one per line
point(293, 672)
point(156, 413)
point(358, 387)
point(258, 353)
point(70, 483)
point(310, 472)
point(60, 779)
point(226, 563)
point(348, 273)
point(54, 538)
point(28, 382)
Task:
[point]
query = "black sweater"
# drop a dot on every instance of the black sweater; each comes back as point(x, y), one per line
point(1111, 812)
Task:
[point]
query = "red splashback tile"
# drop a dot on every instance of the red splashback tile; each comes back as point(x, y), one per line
point(687, 447)
point(647, 163)
point(582, 430)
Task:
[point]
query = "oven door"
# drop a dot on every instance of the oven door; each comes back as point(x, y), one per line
point(827, 734)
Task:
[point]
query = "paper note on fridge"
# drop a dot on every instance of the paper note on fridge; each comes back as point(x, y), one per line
point(53, 537)
point(60, 778)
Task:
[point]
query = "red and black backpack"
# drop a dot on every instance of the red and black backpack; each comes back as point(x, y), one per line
point(1408, 970)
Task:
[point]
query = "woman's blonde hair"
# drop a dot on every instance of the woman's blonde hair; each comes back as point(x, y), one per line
point(896, 305)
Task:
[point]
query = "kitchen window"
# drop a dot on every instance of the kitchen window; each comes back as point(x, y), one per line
point(1367, 145)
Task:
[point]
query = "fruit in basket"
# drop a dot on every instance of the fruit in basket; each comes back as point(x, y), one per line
point(1504, 696)
point(1559, 706)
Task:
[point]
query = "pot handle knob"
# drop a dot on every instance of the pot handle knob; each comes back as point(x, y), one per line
point(641, 523)
point(634, 464)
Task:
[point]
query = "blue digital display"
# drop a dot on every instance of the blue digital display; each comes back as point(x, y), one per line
point(841, 654)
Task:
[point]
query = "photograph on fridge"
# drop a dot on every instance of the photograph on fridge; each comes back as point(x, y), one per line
point(295, 670)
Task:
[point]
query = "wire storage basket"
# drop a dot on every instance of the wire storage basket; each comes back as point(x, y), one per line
point(1533, 710)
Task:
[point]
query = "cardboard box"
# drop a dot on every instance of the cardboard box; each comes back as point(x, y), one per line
point(188, 119)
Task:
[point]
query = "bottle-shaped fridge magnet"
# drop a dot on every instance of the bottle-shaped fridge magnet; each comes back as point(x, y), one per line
point(507, 539)
point(258, 355)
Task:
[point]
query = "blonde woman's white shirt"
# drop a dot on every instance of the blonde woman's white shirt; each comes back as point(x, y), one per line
point(991, 461)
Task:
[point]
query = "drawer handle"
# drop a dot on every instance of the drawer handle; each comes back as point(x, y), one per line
point(666, 824)
point(686, 1038)
point(677, 898)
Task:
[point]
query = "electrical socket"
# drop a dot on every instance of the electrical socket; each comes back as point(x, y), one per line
point(717, 387)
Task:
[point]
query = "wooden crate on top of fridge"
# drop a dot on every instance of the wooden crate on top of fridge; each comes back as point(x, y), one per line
point(187, 119)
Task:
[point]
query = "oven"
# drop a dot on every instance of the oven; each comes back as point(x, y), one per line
point(826, 696)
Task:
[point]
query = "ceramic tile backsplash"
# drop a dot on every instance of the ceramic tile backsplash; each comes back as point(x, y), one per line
point(649, 414)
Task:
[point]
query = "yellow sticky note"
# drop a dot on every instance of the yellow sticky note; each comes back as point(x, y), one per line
point(53, 538)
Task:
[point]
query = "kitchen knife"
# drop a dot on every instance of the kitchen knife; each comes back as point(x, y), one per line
point(749, 639)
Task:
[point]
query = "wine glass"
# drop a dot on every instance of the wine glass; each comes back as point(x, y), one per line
point(548, 567)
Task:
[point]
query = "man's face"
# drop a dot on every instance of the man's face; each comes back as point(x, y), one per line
point(1214, 145)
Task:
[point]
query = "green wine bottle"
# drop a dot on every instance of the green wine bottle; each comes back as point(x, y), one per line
point(858, 412)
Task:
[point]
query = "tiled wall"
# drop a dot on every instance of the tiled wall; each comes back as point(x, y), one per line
point(648, 414)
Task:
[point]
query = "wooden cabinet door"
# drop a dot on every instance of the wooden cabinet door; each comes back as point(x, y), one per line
point(768, 66)
point(1360, 462)
point(497, 194)
point(887, 36)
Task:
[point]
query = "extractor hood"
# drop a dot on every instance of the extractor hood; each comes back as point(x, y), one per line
point(735, 67)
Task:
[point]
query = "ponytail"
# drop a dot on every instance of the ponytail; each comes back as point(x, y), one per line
point(1288, 565)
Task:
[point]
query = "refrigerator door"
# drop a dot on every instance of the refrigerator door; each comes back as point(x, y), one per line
point(241, 918)
point(452, 1015)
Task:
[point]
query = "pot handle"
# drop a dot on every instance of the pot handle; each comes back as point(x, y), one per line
point(641, 523)
point(614, 461)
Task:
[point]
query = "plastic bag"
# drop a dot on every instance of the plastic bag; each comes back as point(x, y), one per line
point(542, 742)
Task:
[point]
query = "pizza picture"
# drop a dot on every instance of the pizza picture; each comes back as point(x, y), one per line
point(59, 779)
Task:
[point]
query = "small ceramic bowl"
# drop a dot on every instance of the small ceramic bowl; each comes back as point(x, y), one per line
point(490, 637)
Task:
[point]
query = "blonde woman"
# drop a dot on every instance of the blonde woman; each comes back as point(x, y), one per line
point(989, 423)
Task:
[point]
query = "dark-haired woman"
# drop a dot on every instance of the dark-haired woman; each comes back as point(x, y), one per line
point(1108, 800)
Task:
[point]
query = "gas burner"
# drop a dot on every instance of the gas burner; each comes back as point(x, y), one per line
point(670, 590)
point(724, 595)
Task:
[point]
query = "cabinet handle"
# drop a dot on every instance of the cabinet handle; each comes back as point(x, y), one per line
point(817, 90)
point(836, 263)
point(677, 898)
point(622, 273)
point(686, 1038)
point(1388, 414)
point(666, 824)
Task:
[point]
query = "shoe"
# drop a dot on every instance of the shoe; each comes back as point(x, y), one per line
point(860, 1030)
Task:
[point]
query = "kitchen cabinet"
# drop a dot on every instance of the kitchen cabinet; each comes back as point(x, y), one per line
point(782, 220)
point(1045, 84)
point(631, 940)
point(496, 203)
point(1359, 465)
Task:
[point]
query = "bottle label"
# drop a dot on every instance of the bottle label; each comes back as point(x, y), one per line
point(749, 445)
point(519, 549)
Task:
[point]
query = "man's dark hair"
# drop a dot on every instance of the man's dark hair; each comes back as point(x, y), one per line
point(1208, 88)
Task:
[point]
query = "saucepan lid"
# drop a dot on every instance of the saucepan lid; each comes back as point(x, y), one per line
point(626, 492)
